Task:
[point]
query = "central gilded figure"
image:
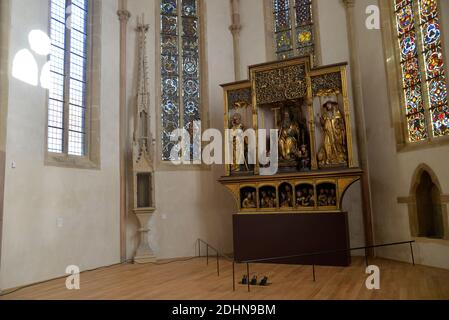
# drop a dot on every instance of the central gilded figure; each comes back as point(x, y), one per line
point(289, 136)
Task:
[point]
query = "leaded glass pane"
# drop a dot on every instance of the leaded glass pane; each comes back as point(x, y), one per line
point(169, 65)
point(282, 20)
point(284, 41)
point(408, 46)
point(281, 5)
point(431, 34)
point(180, 68)
point(190, 44)
point(405, 19)
point(305, 51)
point(304, 36)
point(285, 55)
point(189, 27)
point(410, 72)
point(293, 28)
point(440, 121)
point(435, 68)
point(428, 9)
point(437, 92)
point(417, 127)
point(434, 63)
point(303, 12)
point(68, 61)
point(413, 99)
point(169, 25)
point(78, 19)
point(401, 3)
point(191, 66)
point(189, 8)
point(169, 45)
point(169, 7)
point(56, 114)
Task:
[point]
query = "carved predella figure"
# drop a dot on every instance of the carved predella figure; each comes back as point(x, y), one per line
point(334, 149)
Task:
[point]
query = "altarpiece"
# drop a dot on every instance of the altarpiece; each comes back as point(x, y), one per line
point(310, 108)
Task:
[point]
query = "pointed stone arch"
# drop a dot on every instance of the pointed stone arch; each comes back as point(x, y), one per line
point(427, 205)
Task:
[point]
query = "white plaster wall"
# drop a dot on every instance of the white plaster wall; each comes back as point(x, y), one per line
point(34, 248)
point(252, 35)
point(190, 204)
point(391, 172)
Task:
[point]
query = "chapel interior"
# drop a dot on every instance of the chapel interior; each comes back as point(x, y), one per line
point(138, 140)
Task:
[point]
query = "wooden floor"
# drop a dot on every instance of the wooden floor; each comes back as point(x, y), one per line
point(193, 280)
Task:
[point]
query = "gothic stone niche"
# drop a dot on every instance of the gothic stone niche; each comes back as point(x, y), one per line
point(427, 206)
point(309, 108)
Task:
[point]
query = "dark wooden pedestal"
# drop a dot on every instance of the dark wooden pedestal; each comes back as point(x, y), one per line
point(262, 236)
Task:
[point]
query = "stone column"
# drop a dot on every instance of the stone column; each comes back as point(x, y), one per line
point(235, 30)
point(124, 16)
point(360, 120)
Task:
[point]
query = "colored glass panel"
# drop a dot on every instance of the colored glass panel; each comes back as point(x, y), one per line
point(440, 121)
point(303, 12)
point(280, 5)
point(414, 101)
point(437, 92)
point(428, 9)
point(431, 34)
point(408, 46)
point(180, 68)
point(417, 127)
point(434, 63)
point(405, 19)
point(293, 28)
point(410, 72)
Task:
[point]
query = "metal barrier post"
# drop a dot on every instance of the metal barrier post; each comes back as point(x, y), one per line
point(411, 251)
point(247, 273)
point(313, 271)
point(218, 264)
point(233, 275)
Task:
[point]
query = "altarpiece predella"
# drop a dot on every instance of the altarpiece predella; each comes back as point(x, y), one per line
point(310, 108)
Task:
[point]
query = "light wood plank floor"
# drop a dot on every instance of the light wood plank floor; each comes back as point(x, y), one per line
point(193, 280)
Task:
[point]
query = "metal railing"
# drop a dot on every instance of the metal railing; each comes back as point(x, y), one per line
point(312, 254)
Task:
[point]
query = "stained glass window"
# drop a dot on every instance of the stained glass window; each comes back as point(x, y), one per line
point(423, 70)
point(180, 69)
point(68, 60)
point(293, 28)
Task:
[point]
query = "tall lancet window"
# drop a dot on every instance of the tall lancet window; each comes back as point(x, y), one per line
point(293, 28)
point(424, 82)
point(180, 69)
point(66, 132)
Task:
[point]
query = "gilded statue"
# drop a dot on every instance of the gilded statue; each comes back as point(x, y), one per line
point(289, 137)
point(238, 153)
point(334, 149)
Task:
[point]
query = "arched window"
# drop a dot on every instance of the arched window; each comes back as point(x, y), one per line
point(69, 21)
point(293, 28)
point(424, 84)
point(180, 68)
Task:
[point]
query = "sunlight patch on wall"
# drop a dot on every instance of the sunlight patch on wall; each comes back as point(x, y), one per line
point(25, 67)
